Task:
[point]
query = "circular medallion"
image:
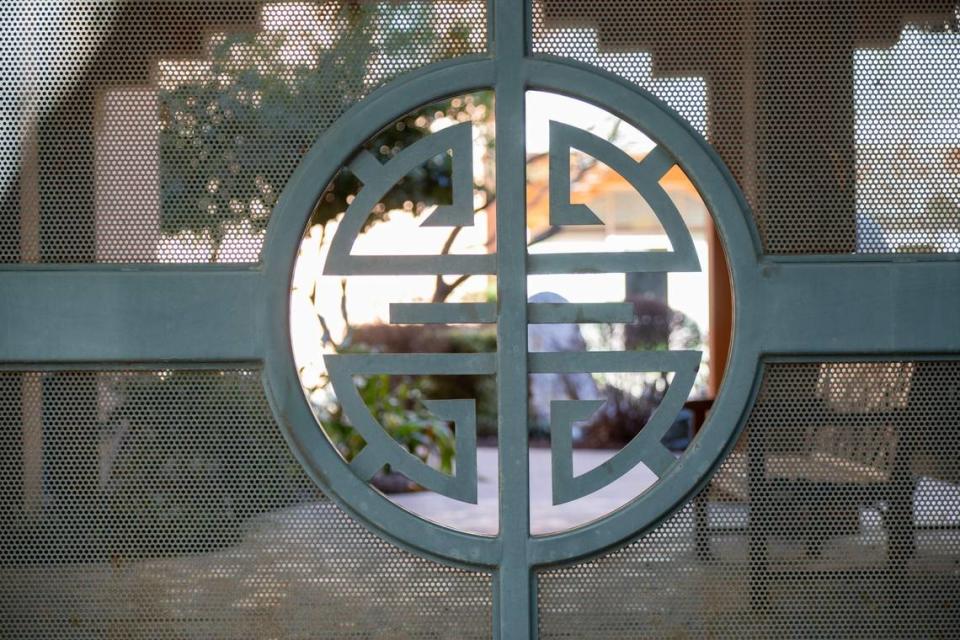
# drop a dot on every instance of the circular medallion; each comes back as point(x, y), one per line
point(350, 478)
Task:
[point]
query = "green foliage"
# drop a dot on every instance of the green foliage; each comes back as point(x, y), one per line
point(427, 184)
point(482, 388)
point(411, 339)
point(216, 134)
point(397, 404)
point(229, 140)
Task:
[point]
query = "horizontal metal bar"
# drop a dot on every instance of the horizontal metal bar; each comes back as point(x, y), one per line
point(611, 262)
point(612, 361)
point(486, 312)
point(453, 364)
point(120, 314)
point(576, 312)
point(212, 313)
point(443, 313)
point(857, 307)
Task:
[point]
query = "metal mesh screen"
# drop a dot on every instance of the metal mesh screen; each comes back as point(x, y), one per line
point(164, 131)
point(840, 120)
point(165, 504)
point(837, 515)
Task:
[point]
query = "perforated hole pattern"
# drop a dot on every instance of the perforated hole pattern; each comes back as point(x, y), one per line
point(840, 120)
point(136, 132)
point(167, 505)
point(836, 515)
point(164, 131)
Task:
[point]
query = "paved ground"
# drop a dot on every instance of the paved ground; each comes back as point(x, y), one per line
point(310, 571)
point(545, 518)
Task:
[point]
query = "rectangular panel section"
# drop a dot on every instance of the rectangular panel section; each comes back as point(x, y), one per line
point(442, 312)
point(836, 514)
point(165, 131)
point(837, 119)
point(166, 504)
point(104, 314)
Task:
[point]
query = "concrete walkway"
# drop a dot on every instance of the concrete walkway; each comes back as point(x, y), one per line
point(545, 518)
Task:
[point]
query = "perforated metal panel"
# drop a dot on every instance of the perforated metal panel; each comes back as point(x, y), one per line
point(838, 119)
point(164, 131)
point(165, 504)
point(837, 515)
point(143, 502)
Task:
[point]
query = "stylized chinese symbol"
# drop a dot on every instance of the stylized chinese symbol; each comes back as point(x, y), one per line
point(514, 553)
point(380, 450)
point(514, 548)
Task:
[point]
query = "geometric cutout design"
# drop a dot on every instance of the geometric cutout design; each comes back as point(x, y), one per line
point(643, 176)
point(382, 450)
point(379, 178)
point(645, 447)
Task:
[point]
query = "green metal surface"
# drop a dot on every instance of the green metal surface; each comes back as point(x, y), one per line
point(515, 587)
point(646, 446)
point(514, 553)
point(379, 179)
point(381, 450)
point(643, 176)
point(119, 314)
point(213, 314)
point(130, 314)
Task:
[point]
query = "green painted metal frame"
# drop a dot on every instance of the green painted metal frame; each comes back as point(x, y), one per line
point(645, 447)
point(380, 448)
point(643, 176)
point(380, 178)
point(815, 306)
point(222, 316)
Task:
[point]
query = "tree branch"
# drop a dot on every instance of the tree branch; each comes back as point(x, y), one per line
point(348, 333)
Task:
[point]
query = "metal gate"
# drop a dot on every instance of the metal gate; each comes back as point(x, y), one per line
point(164, 474)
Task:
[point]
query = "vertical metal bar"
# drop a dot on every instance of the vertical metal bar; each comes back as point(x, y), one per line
point(514, 591)
point(760, 520)
point(31, 405)
point(728, 135)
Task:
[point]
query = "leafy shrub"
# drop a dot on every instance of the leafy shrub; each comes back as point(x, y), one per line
point(386, 338)
point(397, 404)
